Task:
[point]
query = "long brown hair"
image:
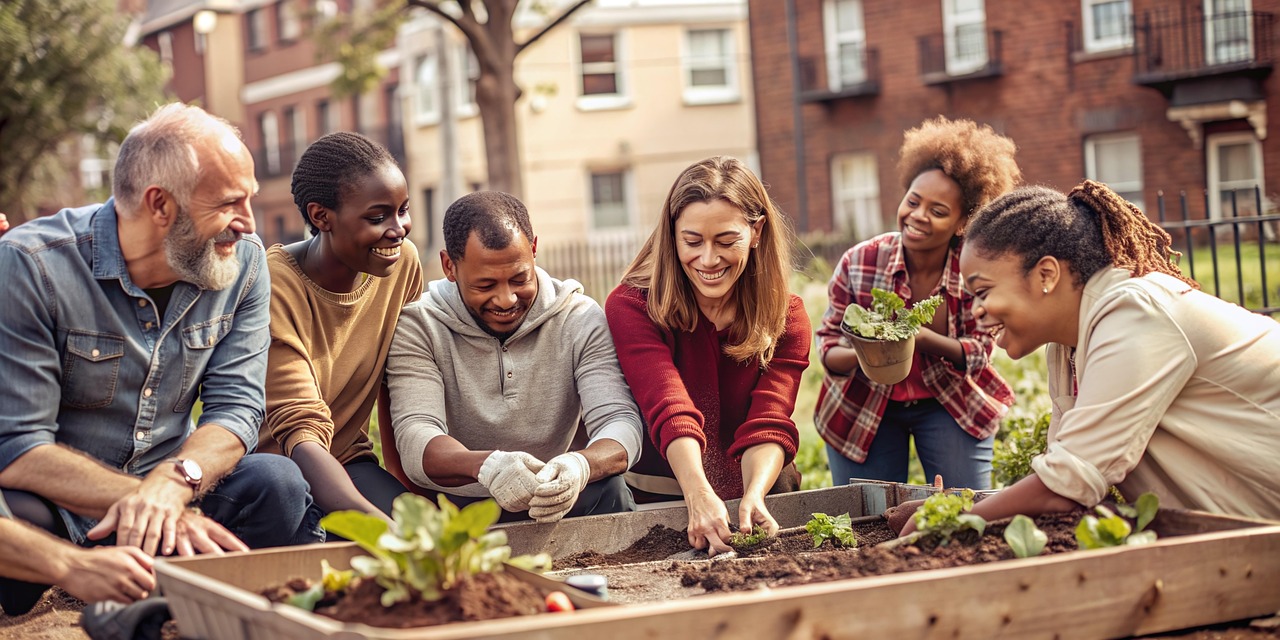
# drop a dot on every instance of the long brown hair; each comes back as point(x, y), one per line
point(760, 298)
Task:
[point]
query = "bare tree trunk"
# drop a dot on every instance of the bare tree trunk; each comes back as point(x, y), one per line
point(496, 96)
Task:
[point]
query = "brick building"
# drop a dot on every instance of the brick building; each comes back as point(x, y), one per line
point(1142, 94)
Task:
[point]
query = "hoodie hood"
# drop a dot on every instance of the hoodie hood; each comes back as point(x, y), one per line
point(444, 303)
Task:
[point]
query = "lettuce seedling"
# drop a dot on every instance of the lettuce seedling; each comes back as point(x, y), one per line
point(1024, 537)
point(746, 542)
point(430, 549)
point(839, 530)
point(331, 581)
point(889, 319)
point(944, 514)
point(1112, 530)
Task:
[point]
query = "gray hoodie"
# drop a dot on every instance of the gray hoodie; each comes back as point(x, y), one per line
point(447, 376)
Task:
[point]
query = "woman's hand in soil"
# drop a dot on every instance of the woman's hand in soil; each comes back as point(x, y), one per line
point(708, 522)
point(751, 511)
point(198, 533)
point(121, 574)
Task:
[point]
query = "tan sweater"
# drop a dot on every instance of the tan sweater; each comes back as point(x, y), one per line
point(327, 356)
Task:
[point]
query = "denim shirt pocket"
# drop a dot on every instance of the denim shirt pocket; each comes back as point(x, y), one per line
point(91, 368)
point(198, 341)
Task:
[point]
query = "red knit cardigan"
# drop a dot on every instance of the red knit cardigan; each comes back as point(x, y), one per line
point(685, 385)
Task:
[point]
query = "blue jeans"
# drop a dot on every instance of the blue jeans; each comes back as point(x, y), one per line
point(943, 447)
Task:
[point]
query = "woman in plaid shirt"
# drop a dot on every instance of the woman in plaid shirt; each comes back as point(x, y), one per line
point(952, 401)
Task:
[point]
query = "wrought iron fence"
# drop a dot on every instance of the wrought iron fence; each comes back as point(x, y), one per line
point(1181, 41)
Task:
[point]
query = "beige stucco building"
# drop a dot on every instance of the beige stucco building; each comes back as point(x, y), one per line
point(616, 103)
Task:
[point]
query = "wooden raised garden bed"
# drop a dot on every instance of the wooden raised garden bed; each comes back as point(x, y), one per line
point(1204, 569)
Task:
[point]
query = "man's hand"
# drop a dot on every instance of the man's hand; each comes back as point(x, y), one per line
point(902, 517)
point(122, 574)
point(751, 511)
point(708, 522)
point(197, 533)
point(509, 477)
point(147, 517)
point(560, 481)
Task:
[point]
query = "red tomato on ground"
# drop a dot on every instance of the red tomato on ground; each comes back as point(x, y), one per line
point(557, 601)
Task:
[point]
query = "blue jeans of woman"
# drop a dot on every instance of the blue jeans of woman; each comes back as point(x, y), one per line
point(943, 447)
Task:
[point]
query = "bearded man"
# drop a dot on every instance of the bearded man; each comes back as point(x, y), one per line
point(117, 319)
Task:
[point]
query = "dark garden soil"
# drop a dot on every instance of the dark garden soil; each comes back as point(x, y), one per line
point(660, 543)
point(486, 596)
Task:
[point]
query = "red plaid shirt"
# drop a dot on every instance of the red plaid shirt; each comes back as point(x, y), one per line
point(850, 407)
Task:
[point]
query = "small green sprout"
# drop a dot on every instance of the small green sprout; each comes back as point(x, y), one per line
point(839, 530)
point(945, 514)
point(1024, 537)
point(1112, 530)
point(746, 542)
point(889, 319)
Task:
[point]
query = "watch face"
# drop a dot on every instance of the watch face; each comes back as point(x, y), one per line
point(191, 469)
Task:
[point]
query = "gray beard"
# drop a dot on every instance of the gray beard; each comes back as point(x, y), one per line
point(197, 261)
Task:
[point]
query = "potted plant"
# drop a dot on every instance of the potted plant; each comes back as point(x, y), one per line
point(885, 335)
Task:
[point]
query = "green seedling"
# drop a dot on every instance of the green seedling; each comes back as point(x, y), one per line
point(839, 530)
point(1111, 530)
point(888, 318)
point(430, 549)
point(945, 514)
point(331, 581)
point(746, 542)
point(1024, 537)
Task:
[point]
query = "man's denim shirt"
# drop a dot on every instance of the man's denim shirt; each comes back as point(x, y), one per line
point(85, 362)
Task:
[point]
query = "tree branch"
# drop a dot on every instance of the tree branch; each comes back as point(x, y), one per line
point(564, 15)
point(469, 27)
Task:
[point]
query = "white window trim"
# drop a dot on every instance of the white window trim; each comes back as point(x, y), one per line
point(424, 117)
point(628, 200)
point(951, 22)
point(839, 194)
point(1210, 44)
point(726, 93)
point(1091, 161)
point(1213, 144)
point(299, 132)
point(269, 127)
point(1123, 41)
point(464, 106)
point(833, 38)
point(604, 102)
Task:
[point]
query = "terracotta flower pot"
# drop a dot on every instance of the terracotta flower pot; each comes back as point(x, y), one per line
point(884, 362)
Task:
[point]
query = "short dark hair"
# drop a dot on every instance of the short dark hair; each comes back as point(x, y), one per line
point(1091, 228)
point(492, 215)
point(332, 164)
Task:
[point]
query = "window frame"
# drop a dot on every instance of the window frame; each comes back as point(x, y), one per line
point(727, 59)
point(287, 14)
point(1095, 45)
point(952, 21)
point(422, 91)
point(1091, 164)
point(1213, 144)
point(269, 132)
point(1211, 54)
point(850, 221)
point(834, 39)
point(603, 101)
point(256, 30)
point(628, 206)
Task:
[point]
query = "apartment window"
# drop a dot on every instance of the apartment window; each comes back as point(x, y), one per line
point(465, 88)
point(609, 200)
point(429, 215)
point(291, 148)
point(427, 90)
point(1116, 160)
point(602, 84)
point(1235, 169)
point(326, 117)
point(165, 41)
point(1107, 24)
point(391, 98)
point(269, 127)
point(846, 40)
point(855, 193)
point(1228, 31)
point(964, 24)
point(710, 69)
point(256, 21)
point(296, 121)
point(288, 21)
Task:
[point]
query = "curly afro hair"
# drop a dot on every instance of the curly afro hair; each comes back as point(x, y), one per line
point(975, 156)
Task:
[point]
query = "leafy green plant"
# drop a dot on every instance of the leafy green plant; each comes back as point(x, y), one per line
point(839, 530)
point(744, 542)
point(945, 514)
point(1024, 537)
point(1025, 437)
point(430, 549)
point(889, 319)
point(331, 581)
point(1109, 529)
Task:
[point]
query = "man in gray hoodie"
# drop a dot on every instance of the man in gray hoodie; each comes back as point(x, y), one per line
point(492, 370)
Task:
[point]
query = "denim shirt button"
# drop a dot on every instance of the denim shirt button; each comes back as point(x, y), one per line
point(142, 303)
point(141, 435)
point(146, 393)
point(146, 325)
point(95, 353)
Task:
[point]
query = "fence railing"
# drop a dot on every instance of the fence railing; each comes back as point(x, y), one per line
point(1217, 252)
point(971, 51)
point(596, 262)
point(1177, 42)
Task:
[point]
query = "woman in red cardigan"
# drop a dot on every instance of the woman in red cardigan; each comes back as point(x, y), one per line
point(713, 346)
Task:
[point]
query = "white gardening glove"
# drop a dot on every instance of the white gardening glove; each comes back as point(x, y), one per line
point(509, 477)
point(560, 482)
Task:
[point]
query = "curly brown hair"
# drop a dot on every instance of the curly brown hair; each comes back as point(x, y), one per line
point(975, 156)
